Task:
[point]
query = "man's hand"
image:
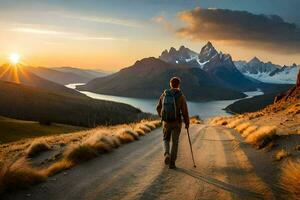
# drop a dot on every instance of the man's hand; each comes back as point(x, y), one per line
point(187, 126)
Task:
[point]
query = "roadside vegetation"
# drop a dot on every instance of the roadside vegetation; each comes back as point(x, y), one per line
point(19, 167)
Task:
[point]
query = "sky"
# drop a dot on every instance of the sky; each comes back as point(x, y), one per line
point(111, 35)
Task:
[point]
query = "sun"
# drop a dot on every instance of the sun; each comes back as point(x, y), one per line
point(14, 58)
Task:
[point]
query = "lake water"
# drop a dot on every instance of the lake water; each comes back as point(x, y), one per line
point(203, 109)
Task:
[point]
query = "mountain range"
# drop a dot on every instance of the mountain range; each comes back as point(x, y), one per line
point(268, 72)
point(217, 65)
point(209, 75)
point(66, 75)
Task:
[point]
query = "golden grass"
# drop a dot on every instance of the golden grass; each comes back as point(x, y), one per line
point(126, 135)
point(140, 132)
point(262, 133)
point(234, 123)
point(249, 130)
point(80, 153)
point(80, 147)
point(290, 178)
point(150, 125)
point(145, 128)
point(19, 175)
point(57, 167)
point(279, 155)
point(242, 127)
point(36, 147)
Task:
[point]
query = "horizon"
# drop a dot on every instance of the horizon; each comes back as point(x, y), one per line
point(101, 35)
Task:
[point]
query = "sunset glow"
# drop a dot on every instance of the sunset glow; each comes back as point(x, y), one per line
point(98, 34)
point(14, 58)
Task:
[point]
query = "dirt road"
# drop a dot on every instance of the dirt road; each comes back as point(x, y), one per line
point(226, 169)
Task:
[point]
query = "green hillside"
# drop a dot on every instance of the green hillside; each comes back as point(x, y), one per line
point(13, 129)
point(30, 103)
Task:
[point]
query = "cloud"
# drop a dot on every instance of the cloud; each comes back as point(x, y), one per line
point(241, 28)
point(65, 35)
point(37, 31)
point(160, 19)
point(105, 20)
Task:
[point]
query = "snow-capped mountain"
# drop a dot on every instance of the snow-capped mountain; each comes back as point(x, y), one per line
point(192, 59)
point(268, 72)
point(217, 65)
point(181, 56)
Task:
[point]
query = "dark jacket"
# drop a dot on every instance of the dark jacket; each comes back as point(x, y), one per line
point(181, 107)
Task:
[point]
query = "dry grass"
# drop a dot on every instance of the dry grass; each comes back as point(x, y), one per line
point(234, 123)
point(290, 178)
point(36, 147)
point(261, 136)
point(242, 127)
point(150, 125)
point(145, 128)
point(80, 153)
point(249, 130)
point(57, 167)
point(79, 147)
point(279, 155)
point(19, 175)
point(140, 132)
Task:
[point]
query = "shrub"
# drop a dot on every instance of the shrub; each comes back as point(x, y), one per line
point(261, 136)
point(58, 167)
point(249, 130)
point(150, 125)
point(144, 128)
point(243, 126)
point(124, 136)
point(140, 132)
point(19, 175)
point(99, 141)
point(80, 153)
point(290, 178)
point(36, 147)
point(234, 123)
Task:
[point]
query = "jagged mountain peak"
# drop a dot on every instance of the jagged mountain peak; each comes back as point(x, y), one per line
point(207, 52)
point(254, 60)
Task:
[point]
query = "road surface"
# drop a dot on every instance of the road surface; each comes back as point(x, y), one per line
point(227, 168)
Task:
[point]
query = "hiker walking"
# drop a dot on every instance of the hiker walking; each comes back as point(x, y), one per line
point(171, 108)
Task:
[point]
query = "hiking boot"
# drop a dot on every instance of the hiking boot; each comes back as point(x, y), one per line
point(173, 166)
point(167, 159)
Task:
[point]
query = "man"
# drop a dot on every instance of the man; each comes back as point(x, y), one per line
point(171, 108)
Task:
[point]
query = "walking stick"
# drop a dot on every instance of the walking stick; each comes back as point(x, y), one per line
point(188, 133)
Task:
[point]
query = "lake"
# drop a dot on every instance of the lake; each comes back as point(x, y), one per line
point(203, 109)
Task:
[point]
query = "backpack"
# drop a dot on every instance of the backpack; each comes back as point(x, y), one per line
point(169, 109)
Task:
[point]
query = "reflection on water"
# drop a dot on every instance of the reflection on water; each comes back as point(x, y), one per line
point(203, 109)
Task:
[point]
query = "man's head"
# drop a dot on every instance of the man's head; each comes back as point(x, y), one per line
point(175, 82)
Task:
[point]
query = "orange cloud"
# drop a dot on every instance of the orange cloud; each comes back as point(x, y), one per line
point(241, 28)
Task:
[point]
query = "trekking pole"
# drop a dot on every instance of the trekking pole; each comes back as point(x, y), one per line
point(188, 133)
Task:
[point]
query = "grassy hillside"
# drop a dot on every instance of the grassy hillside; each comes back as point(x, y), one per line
point(149, 77)
point(13, 129)
point(36, 104)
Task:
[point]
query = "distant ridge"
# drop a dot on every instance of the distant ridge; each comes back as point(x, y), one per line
point(148, 78)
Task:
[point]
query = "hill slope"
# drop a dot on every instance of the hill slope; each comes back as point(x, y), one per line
point(31, 103)
point(21, 75)
point(13, 129)
point(150, 76)
point(60, 77)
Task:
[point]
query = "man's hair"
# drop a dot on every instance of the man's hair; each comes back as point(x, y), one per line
point(175, 81)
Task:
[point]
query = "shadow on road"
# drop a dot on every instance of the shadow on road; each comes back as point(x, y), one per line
point(220, 184)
